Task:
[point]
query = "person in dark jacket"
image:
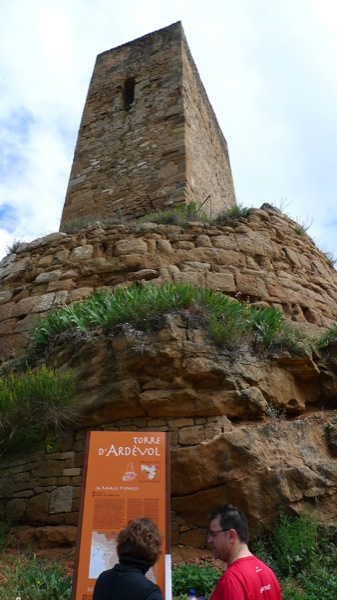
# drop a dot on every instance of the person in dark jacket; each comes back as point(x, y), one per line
point(138, 549)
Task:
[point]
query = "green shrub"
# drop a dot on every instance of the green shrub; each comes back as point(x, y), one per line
point(230, 322)
point(202, 578)
point(295, 543)
point(331, 259)
point(274, 411)
point(318, 582)
point(76, 224)
point(5, 526)
point(33, 406)
point(303, 556)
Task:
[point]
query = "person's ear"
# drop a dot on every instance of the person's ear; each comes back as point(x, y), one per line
point(232, 535)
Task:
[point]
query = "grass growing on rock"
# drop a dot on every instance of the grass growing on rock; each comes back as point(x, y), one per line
point(228, 322)
point(33, 408)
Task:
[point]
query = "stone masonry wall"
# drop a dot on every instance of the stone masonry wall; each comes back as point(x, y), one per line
point(145, 116)
point(209, 177)
point(260, 259)
point(43, 490)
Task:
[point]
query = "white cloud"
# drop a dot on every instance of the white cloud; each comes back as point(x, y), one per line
point(268, 68)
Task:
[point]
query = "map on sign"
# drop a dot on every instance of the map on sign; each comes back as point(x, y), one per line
point(103, 554)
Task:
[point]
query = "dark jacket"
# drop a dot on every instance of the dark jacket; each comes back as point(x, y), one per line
point(126, 581)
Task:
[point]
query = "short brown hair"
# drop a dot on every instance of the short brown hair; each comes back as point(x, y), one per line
point(140, 539)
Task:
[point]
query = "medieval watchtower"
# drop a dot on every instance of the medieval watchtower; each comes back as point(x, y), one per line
point(148, 139)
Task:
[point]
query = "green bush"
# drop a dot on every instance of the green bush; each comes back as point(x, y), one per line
point(303, 555)
point(295, 543)
point(301, 227)
point(33, 406)
point(318, 582)
point(202, 578)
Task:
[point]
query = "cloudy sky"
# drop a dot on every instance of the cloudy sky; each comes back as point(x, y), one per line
point(269, 68)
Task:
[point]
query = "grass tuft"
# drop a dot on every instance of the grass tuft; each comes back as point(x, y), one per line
point(228, 322)
point(33, 408)
point(179, 215)
point(236, 211)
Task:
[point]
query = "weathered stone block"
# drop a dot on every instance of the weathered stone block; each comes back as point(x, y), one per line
point(61, 500)
point(37, 508)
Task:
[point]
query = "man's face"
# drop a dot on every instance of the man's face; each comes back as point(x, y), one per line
point(219, 541)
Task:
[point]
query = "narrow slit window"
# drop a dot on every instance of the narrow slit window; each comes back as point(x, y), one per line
point(129, 92)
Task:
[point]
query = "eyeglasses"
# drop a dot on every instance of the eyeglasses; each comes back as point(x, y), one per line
point(213, 534)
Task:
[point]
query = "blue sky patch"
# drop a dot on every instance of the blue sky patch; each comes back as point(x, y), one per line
point(8, 217)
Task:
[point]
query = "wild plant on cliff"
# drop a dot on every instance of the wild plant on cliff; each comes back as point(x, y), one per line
point(228, 321)
point(236, 211)
point(295, 543)
point(32, 406)
point(178, 215)
point(268, 322)
point(302, 226)
point(13, 246)
point(329, 336)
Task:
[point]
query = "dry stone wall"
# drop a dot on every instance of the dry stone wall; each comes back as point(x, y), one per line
point(42, 491)
point(258, 259)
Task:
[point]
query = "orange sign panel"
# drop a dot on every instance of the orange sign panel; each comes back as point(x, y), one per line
point(127, 476)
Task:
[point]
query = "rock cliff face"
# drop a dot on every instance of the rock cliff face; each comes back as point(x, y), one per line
point(254, 430)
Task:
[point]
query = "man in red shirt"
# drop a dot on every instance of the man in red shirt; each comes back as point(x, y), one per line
point(247, 577)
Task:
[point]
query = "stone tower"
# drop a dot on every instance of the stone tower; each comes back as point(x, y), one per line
point(148, 139)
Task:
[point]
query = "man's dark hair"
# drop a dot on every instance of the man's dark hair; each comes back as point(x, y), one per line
point(231, 517)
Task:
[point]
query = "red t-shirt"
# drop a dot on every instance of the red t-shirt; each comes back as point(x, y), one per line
point(247, 579)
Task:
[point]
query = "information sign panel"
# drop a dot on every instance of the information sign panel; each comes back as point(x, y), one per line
point(126, 476)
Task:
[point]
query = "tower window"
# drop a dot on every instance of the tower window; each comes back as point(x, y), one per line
point(129, 92)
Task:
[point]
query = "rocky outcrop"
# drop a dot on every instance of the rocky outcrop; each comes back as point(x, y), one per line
point(256, 431)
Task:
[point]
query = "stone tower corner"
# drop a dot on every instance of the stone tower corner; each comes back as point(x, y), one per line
point(148, 138)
